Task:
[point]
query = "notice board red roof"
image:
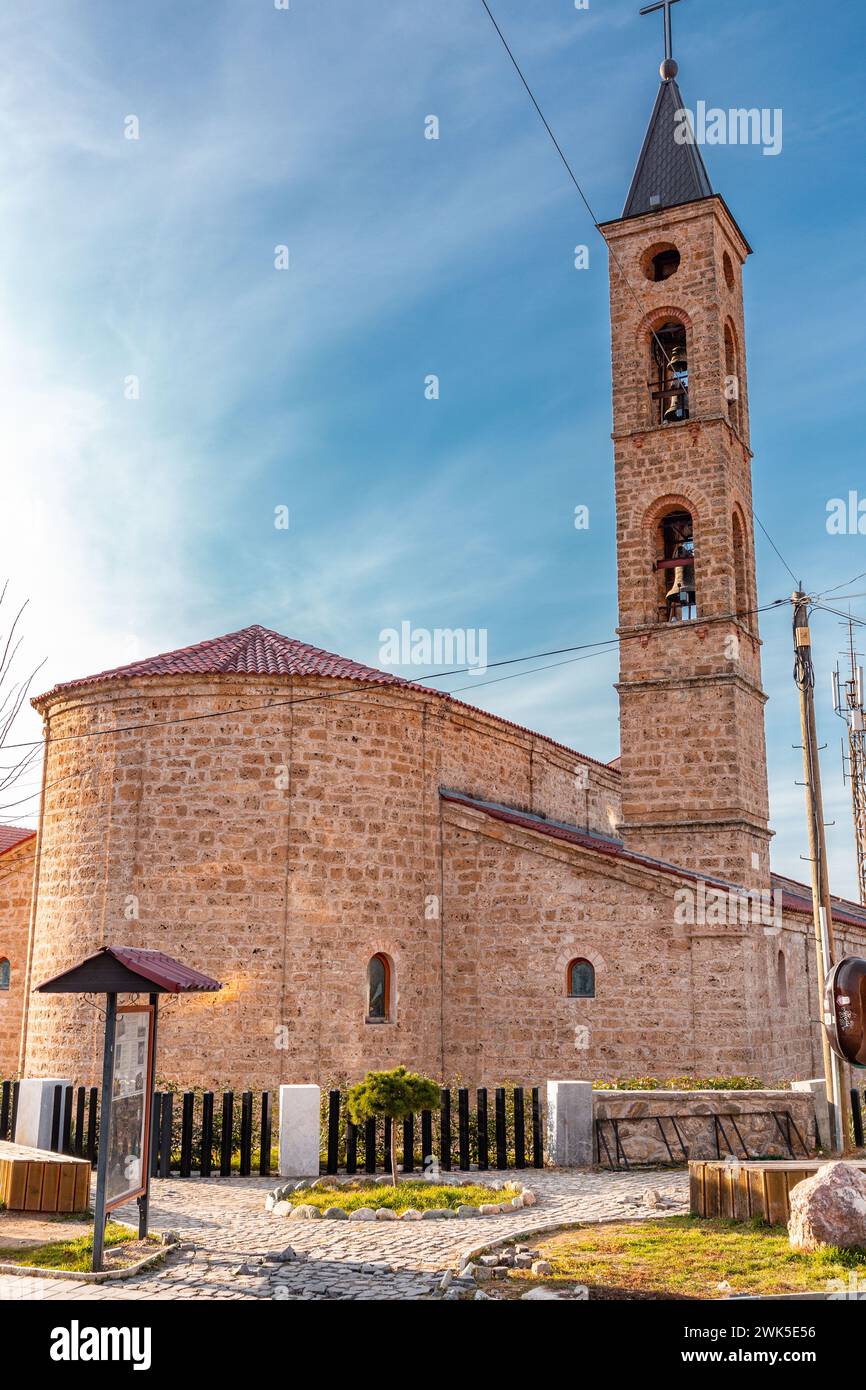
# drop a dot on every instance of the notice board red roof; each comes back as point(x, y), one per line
point(129, 970)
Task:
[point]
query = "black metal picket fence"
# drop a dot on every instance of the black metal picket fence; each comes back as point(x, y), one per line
point(505, 1131)
point(216, 1135)
point(192, 1133)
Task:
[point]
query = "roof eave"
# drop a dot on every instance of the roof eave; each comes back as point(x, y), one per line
point(672, 207)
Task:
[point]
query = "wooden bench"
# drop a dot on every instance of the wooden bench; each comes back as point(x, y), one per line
point(37, 1180)
point(745, 1189)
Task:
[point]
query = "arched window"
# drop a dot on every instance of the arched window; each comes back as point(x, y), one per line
point(741, 588)
point(580, 980)
point(675, 567)
point(669, 376)
point(379, 989)
point(782, 979)
point(732, 377)
point(4, 973)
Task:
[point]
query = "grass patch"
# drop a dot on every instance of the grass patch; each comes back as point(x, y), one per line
point(420, 1195)
point(687, 1257)
point(76, 1255)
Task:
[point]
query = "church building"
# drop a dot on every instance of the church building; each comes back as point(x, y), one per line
point(379, 873)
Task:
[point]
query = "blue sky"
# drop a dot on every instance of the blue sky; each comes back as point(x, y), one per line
point(139, 525)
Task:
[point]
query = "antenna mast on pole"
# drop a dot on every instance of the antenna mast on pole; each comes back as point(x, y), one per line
point(848, 696)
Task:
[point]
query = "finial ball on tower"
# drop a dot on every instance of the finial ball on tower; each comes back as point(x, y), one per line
point(669, 69)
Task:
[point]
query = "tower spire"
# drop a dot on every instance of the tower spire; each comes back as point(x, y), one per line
point(670, 169)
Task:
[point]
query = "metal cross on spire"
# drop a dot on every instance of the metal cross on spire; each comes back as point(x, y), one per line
point(666, 6)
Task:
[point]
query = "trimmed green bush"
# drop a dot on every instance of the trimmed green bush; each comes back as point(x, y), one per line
point(393, 1095)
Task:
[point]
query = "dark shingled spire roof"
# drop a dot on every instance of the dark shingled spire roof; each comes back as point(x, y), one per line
point(667, 173)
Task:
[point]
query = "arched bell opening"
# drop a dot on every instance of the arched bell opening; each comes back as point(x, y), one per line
point(669, 374)
point(675, 567)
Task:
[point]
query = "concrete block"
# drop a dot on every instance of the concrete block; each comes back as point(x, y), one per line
point(569, 1123)
point(299, 1131)
point(818, 1088)
point(35, 1111)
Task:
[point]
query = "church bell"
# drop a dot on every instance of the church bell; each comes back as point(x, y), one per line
point(676, 370)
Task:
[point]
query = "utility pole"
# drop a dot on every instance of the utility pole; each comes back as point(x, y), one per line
point(804, 675)
point(848, 703)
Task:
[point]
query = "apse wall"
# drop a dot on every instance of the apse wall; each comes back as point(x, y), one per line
point(275, 848)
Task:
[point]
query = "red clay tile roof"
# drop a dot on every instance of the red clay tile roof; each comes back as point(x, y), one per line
point(796, 897)
point(258, 651)
point(254, 651)
point(12, 835)
point(560, 830)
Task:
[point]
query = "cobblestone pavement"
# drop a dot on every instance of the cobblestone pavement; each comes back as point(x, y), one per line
point(223, 1226)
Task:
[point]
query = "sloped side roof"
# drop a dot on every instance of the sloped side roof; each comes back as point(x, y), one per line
point(667, 173)
point(12, 835)
point(796, 897)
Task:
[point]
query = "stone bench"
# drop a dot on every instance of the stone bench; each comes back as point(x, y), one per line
point(38, 1180)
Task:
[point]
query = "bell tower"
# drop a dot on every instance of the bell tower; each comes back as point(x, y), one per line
point(693, 758)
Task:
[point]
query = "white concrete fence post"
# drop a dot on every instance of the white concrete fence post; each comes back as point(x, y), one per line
point(569, 1124)
point(818, 1088)
point(299, 1131)
point(35, 1111)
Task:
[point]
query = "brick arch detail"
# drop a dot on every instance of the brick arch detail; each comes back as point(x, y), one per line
point(578, 952)
point(382, 947)
point(654, 318)
point(669, 502)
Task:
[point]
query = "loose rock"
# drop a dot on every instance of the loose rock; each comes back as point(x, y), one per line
point(304, 1212)
point(829, 1209)
point(281, 1257)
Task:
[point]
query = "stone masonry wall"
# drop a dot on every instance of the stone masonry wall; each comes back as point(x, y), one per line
point(752, 1125)
point(673, 997)
point(277, 850)
point(690, 695)
point(16, 883)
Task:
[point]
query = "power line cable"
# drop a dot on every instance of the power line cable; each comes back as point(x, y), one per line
point(825, 592)
point(775, 547)
point(374, 687)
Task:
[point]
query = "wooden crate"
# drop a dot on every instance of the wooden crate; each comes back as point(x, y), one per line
point(36, 1180)
point(744, 1190)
